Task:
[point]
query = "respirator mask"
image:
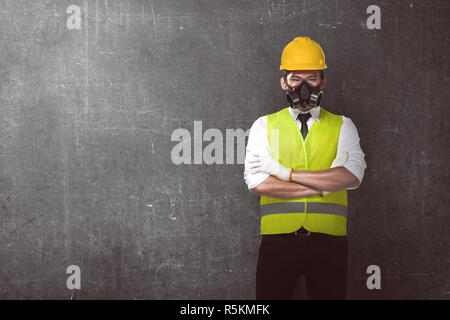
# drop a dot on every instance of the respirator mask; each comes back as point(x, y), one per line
point(303, 95)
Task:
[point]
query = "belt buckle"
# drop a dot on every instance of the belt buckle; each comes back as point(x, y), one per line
point(298, 234)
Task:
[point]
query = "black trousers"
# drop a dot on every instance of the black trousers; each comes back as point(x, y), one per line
point(284, 258)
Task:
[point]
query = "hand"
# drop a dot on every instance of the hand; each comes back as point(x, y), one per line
point(266, 164)
point(338, 162)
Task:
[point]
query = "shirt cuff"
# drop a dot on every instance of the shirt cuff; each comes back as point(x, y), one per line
point(356, 172)
point(257, 179)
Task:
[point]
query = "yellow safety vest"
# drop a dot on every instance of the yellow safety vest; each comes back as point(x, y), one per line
point(326, 214)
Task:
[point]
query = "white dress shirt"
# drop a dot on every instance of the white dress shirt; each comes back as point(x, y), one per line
point(348, 142)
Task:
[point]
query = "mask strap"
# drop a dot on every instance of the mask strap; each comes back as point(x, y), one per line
point(291, 88)
point(286, 81)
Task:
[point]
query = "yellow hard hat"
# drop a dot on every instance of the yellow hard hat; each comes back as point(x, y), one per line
point(302, 53)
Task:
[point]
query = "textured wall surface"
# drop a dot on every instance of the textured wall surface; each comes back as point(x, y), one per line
point(87, 117)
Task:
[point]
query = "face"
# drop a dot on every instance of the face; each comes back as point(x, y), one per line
point(295, 77)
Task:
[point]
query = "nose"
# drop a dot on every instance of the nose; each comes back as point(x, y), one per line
point(297, 84)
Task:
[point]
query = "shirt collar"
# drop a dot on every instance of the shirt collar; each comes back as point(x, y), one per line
point(315, 113)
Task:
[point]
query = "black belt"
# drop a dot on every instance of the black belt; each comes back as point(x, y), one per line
point(302, 232)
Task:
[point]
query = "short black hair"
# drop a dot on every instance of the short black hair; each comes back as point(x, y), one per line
point(322, 73)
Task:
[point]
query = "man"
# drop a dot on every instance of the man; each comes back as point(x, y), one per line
point(302, 160)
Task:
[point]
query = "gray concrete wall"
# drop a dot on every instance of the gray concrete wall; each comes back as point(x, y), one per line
point(87, 117)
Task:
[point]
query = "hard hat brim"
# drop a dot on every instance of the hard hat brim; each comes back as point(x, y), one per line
point(302, 67)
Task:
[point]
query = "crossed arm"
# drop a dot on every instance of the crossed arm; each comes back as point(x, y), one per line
point(307, 183)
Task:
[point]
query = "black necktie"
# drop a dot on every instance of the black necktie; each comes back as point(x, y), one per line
point(303, 118)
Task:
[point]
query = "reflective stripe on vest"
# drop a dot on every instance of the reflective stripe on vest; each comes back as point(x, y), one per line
point(299, 207)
